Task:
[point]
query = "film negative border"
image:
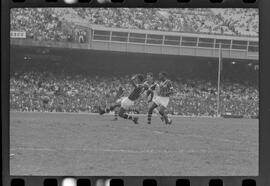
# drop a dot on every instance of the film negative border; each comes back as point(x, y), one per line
point(142, 181)
point(71, 181)
point(137, 3)
point(264, 128)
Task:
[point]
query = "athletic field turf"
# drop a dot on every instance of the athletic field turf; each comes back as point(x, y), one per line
point(83, 144)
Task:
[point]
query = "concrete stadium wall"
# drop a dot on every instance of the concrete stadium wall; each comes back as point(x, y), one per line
point(140, 48)
point(119, 63)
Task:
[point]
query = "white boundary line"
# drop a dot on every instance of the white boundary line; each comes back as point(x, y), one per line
point(96, 114)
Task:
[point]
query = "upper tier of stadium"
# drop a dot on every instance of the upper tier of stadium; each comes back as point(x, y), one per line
point(60, 23)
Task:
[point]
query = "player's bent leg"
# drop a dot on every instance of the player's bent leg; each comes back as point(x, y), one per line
point(107, 110)
point(151, 108)
point(116, 112)
point(122, 113)
point(113, 107)
point(115, 116)
point(162, 112)
point(156, 111)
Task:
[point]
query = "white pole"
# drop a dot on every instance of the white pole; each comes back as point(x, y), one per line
point(219, 74)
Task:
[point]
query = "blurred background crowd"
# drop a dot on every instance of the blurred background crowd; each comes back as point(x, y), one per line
point(34, 91)
point(58, 24)
point(52, 90)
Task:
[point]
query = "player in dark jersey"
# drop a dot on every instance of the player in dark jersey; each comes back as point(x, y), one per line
point(117, 104)
point(151, 87)
point(161, 99)
point(128, 102)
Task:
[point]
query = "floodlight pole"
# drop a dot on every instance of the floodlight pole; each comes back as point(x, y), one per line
point(219, 74)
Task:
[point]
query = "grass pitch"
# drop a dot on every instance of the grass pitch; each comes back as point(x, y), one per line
point(83, 144)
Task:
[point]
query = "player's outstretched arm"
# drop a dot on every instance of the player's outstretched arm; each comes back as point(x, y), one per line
point(132, 81)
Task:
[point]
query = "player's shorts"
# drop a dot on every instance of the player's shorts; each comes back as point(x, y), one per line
point(163, 101)
point(126, 103)
point(119, 100)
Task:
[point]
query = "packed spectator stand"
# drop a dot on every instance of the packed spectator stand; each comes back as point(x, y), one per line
point(60, 24)
point(33, 91)
point(52, 92)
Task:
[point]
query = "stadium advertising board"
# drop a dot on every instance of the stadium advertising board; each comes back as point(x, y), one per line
point(18, 35)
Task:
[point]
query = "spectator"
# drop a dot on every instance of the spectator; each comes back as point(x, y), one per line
point(54, 24)
point(65, 93)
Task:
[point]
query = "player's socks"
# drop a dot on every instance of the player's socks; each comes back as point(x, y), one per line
point(115, 116)
point(126, 116)
point(164, 117)
point(168, 121)
point(149, 117)
point(134, 119)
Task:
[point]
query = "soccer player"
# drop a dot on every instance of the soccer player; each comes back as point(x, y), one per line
point(162, 98)
point(151, 87)
point(151, 93)
point(139, 88)
point(117, 100)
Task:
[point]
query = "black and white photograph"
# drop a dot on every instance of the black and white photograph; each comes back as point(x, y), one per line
point(134, 91)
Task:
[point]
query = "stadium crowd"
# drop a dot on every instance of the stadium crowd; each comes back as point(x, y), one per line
point(210, 21)
point(60, 24)
point(38, 23)
point(35, 91)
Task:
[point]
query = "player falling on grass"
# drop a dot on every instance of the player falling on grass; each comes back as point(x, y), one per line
point(139, 88)
point(161, 99)
point(117, 104)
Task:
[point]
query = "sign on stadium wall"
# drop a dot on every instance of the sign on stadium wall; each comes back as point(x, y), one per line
point(18, 34)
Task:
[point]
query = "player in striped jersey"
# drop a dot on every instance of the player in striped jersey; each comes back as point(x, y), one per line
point(128, 102)
point(161, 100)
point(151, 93)
point(151, 87)
point(117, 100)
